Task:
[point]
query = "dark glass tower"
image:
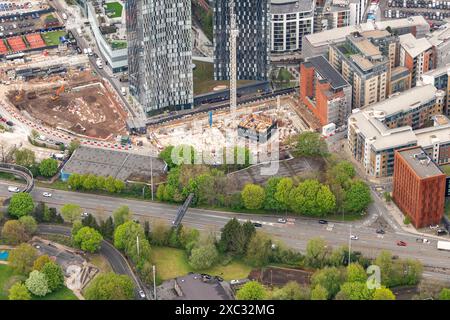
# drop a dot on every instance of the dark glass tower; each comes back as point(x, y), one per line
point(253, 42)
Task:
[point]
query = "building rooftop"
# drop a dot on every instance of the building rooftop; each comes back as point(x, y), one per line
point(414, 46)
point(290, 6)
point(399, 72)
point(427, 137)
point(420, 162)
point(256, 122)
point(439, 36)
point(118, 164)
point(326, 71)
point(367, 48)
point(375, 34)
point(363, 63)
point(194, 288)
point(401, 23)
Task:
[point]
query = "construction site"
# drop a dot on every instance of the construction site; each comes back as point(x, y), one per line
point(77, 102)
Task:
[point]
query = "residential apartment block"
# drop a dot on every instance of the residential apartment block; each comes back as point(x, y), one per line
point(400, 80)
point(331, 14)
point(416, 55)
point(324, 91)
point(253, 41)
point(440, 40)
point(419, 187)
point(160, 53)
point(375, 132)
point(291, 20)
point(438, 78)
point(364, 66)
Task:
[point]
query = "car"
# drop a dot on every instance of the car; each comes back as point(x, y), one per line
point(234, 282)
point(47, 194)
point(401, 243)
point(220, 279)
point(257, 224)
point(441, 232)
point(426, 241)
point(282, 220)
point(380, 231)
point(9, 123)
point(206, 276)
point(13, 189)
point(353, 237)
point(37, 246)
point(321, 221)
point(142, 294)
point(432, 227)
point(85, 214)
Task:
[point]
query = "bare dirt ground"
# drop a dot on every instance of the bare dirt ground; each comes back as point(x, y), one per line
point(278, 277)
point(84, 106)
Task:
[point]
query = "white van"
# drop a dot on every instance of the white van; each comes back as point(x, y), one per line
point(85, 50)
point(124, 91)
point(99, 63)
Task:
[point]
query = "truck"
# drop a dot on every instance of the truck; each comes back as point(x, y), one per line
point(443, 245)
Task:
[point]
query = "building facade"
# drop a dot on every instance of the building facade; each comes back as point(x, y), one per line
point(440, 40)
point(419, 187)
point(438, 78)
point(416, 55)
point(160, 53)
point(290, 21)
point(325, 92)
point(253, 41)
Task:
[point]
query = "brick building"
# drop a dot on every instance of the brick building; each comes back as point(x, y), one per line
point(418, 187)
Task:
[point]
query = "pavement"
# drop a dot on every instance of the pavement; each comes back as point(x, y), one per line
point(295, 234)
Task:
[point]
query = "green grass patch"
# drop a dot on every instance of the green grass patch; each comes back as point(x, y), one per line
point(115, 45)
point(204, 78)
point(171, 263)
point(115, 8)
point(6, 273)
point(446, 169)
point(52, 38)
point(62, 294)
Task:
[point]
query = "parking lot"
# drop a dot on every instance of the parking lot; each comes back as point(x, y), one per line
point(8, 8)
point(27, 23)
point(432, 10)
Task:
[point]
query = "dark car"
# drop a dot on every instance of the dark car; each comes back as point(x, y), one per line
point(220, 279)
point(441, 232)
point(206, 276)
point(380, 231)
point(257, 224)
point(401, 243)
point(9, 123)
point(321, 221)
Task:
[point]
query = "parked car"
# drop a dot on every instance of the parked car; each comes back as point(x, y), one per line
point(220, 279)
point(401, 243)
point(257, 224)
point(434, 227)
point(353, 237)
point(13, 189)
point(234, 282)
point(441, 232)
point(380, 231)
point(321, 221)
point(282, 220)
point(47, 194)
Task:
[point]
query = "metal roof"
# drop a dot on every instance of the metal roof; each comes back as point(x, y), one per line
point(326, 71)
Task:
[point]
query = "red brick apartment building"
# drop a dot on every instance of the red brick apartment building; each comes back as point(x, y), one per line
point(418, 187)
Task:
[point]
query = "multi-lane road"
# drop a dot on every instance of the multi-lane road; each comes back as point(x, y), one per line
point(295, 235)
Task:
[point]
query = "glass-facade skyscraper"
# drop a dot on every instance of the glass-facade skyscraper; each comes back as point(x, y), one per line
point(253, 41)
point(160, 53)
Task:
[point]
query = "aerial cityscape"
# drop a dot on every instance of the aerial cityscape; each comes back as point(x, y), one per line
point(226, 150)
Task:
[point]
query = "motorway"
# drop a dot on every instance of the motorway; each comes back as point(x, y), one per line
point(114, 257)
point(295, 235)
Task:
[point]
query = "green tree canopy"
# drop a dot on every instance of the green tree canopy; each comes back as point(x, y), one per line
point(13, 232)
point(312, 198)
point(252, 290)
point(71, 212)
point(330, 278)
point(253, 196)
point(24, 157)
point(292, 291)
point(357, 197)
point(88, 239)
point(283, 191)
point(355, 291)
point(21, 204)
point(203, 257)
point(54, 275)
point(122, 215)
point(21, 258)
point(444, 294)
point(341, 173)
point(37, 283)
point(383, 293)
point(319, 293)
point(311, 144)
point(29, 223)
point(270, 202)
point(317, 253)
point(110, 286)
point(74, 145)
point(259, 249)
point(356, 273)
point(48, 167)
point(235, 237)
point(19, 291)
point(40, 262)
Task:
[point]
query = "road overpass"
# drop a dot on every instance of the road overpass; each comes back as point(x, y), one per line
point(20, 171)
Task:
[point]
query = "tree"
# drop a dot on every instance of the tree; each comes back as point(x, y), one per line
point(341, 173)
point(159, 233)
point(73, 145)
point(319, 293)
point(19, 291)
point(357, 197)
point(75, 181)
point(292, 291)
point(259, 249)
point(166, 155)
point(253, 196)
point(21, 258)
point(311, 144)
point(356, 273)
point(283, 191)
point(355, 291)
point(330, 278)
point(37, 283)
point(88, 239)
point(107, 228)
point(252, 290)
point(90, 221)
point(21, 204)
point(54, 275)
point(312, 198)
point(121, 215)
point(40, 262)
point(14, 232)
point(126, 238)
point(203, 257)
point(76, 226)
point(119, 185)
point(160, 192)
point(235, 237)
point(48, 167)
point(89, 182)
point(71, 212)
point(270, 202)
point(110, 184)
point(384, 261)
point(110, 286)
point(383, 293)
point(444, 294)
point(24, 157)
point(29, 223)
point(317, 253)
